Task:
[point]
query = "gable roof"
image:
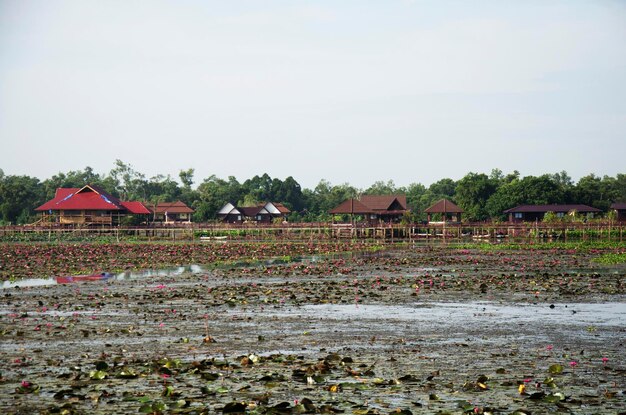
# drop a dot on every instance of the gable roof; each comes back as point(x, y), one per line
point(171, 207)
point(229, 209)
point(444, 206)
point(279, 207)
point(378, 204)
point(383, 202)
point(619, 206)
point(267, 208)
point(352, 206)
point(88, 197)
point(552, 208)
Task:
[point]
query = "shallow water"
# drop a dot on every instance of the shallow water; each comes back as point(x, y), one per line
point(450, 313)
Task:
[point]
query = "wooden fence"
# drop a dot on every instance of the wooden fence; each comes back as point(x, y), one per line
point(327, 231)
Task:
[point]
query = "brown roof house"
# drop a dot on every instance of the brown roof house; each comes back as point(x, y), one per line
point(261, 213)
point(446, 210)
point(171, 212)
point(532, 213)
point(620, 208)
point(374, 208)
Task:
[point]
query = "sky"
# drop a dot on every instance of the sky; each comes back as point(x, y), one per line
point(347, 91)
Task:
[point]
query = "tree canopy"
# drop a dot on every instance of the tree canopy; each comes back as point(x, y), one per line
point(481, 196)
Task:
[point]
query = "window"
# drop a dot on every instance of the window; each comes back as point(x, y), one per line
point(518, 215)
point(560, 214)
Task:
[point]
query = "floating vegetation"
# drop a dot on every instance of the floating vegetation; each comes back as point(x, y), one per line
point(416, 330)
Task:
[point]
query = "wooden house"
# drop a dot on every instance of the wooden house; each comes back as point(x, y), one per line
point(374, 208)
point(446, 210)
point(88, 205)
point(532, 213)
point(620, 209)
point(262, 213)
point(171, 212)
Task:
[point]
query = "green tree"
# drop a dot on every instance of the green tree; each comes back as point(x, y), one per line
point(213, 193)
point(472, 193)
point(381, 188)
point(444, 188)
point(130, 184)
point(530, 190)
point(186, 178)
point(19, 196)
point(597, 192)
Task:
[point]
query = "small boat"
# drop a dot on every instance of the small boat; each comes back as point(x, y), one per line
point(79, 278)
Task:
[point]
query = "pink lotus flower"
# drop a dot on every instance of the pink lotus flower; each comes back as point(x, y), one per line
point(549, 347)
point(604, 360)
point(573, 364)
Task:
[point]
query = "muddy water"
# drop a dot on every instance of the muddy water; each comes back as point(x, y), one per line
point(425, 331)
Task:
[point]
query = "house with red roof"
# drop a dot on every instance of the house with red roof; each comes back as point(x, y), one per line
point(262, 213)
point(89, 204)
point(170, 212)
point(374, 208)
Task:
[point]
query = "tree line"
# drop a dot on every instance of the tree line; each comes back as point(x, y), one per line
point(482, 196)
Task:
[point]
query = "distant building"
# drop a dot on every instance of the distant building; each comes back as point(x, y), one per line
point(532, 213)
point(88, 205)
point(261, 213)
point(171, 212)
point(448, 211)
point(620, 209)
point(374, 208)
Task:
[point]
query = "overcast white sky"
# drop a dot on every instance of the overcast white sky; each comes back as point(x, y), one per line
point(348, 91)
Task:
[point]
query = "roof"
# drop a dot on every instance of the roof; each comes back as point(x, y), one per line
point(551, 208)
point(268, 208)
point(88, 197)
point(383, 202)
point(444, 206)
point(136, 208)
point(352, 206)
point(378, 204)
point(250, 211)
point(619, 206)
point(281, 208)
point(170, 207)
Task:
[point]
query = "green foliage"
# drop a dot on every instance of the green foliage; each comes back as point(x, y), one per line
point(612, 258)
point(551, 217)
point(482, 196)
point(472, 193)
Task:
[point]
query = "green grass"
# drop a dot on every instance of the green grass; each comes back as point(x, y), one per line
point(612, 258)
point(513, 246)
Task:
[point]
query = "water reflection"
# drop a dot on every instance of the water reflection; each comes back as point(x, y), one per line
point(194, 269)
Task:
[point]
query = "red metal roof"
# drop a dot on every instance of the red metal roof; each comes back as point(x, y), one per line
point(90, 198)
point(85, 198)
point(552, 208)
point(619, 206)
point(136, 208)
point(444, 206)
